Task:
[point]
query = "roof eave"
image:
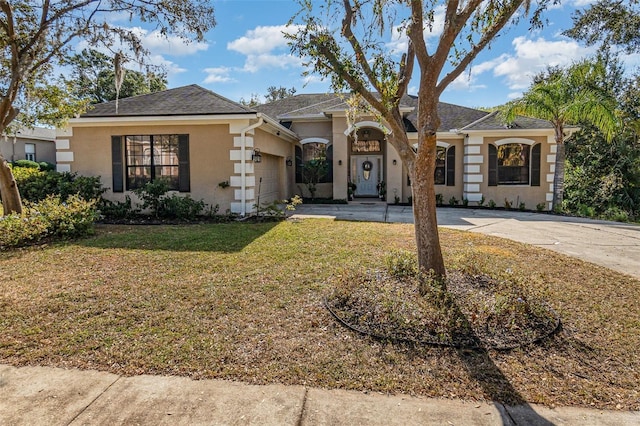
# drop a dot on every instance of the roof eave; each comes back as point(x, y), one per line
point(158, 119)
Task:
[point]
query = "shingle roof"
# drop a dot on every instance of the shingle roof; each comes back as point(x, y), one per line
point(493, 121)
point(186, 100)
point(301, 105)
point(451, 116)
point(195, 100)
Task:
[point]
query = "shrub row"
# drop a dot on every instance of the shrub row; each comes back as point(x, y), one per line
point(49, 218)
point(36, 184)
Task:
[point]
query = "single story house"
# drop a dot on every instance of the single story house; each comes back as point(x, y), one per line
point(234, 156)
point(35, 144)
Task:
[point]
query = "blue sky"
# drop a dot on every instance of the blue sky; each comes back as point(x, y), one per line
point(246, 53)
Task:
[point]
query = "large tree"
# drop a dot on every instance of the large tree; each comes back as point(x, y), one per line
point(573, 95)
point(350, 41)
point(36, 35)
point(608, 24)
point(92, 77)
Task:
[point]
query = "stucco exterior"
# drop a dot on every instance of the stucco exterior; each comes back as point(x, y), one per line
point(214, 158)
point(13, 145)
point(225, 139)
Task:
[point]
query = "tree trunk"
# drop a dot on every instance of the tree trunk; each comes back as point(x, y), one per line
point(11, 202)
point(424, 210)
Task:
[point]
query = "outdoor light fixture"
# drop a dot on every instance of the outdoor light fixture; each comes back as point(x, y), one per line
point(339, 162)
point(365, 133)
point(257, 156)
point(395, 161)
point(289, 162)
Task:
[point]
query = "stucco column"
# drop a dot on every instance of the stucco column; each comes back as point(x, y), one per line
point(394, 175)
point(340, 159)
point(472, 175)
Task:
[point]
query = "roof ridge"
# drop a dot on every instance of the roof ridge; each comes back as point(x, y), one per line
point(204, 89)
point(315, 104)
point(481, 119)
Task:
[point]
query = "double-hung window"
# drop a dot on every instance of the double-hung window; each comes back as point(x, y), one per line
point(30, 151)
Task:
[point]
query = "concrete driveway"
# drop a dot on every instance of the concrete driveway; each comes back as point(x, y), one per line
point(610, 244)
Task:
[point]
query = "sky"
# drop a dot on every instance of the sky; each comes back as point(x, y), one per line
point(245, 53)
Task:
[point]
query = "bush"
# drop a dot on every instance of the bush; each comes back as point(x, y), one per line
point(151, 195)
point(36, 185)
point(69, 219)
point(616, 214)
point(23, 174)
point(20, 230)
point(27, 164)
point(183, 208)
point(47, 167)
point(46, 219)
point(118, 209)
point(155, 199)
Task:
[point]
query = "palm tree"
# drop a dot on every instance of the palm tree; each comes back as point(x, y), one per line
point(563, 97)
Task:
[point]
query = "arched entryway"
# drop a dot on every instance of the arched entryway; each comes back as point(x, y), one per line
point(367, 151)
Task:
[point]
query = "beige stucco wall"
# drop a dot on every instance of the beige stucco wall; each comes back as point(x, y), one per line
point(313, 129)
point(89, 152)
point(516, 194)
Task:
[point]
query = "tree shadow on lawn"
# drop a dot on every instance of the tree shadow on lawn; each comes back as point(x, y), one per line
point(495, 385)
point(222, 237)
point(480, 367)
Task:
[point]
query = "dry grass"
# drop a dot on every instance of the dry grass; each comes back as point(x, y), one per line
point(243, 302)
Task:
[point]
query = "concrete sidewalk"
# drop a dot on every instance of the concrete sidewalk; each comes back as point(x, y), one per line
point(50, 396)
point(613, 245)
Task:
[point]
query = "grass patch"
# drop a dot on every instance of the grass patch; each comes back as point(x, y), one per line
point(244, 302)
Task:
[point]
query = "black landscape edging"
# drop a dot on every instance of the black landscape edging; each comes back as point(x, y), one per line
point(555, 329)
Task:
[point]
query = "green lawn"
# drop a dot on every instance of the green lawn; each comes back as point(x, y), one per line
point(244, 302)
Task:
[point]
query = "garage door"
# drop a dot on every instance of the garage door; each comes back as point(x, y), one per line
point(269, 170)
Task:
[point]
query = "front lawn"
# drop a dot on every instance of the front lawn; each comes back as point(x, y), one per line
point(244, 302)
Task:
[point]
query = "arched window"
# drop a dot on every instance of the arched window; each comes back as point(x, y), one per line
point(514, 164)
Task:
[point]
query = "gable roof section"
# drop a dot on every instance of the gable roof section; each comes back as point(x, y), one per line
point(494, 122)
point(305, 105)
point(186, 100)
point(451, 116)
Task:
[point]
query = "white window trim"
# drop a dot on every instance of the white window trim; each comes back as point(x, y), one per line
point(509, 141)
point(363, 124)
point(314, 140)
point(438, 143)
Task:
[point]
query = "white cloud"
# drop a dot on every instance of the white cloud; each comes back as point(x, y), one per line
point(583, 3)
point(432, 30)
point(218, 75)
point(529, 57)
point(261, 40)
point(255, 63)
point(170, 67)
point(532, 56)
point(264, 48)
point(156, 43)
point(399, 41)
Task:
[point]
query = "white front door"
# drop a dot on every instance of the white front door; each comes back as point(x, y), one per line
point(366, 172)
